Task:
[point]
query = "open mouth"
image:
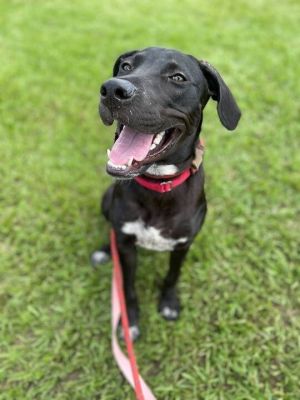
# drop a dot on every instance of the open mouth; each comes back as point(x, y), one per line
point(133, 152)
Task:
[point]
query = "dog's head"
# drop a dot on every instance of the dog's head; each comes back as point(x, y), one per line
point(157, 97)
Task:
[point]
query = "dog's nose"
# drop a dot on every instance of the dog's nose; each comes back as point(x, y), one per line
point(119, 89)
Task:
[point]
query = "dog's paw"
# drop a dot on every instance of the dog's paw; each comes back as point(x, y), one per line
point(169, 306)
point(99, 257)
point(134, 333)
point(169, 314)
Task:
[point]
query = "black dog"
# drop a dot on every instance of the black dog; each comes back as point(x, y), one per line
point(157, 97)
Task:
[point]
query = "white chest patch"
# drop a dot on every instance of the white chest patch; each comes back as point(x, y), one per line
point(156, 169)
point(150, 237)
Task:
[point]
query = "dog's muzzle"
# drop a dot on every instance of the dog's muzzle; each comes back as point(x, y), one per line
point(114, 93)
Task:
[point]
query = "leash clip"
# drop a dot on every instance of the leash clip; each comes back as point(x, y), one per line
point(166, 186)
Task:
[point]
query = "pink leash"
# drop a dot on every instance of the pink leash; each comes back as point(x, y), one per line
point(127, 366)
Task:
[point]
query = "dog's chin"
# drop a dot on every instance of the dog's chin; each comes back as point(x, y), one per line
point(157, 147)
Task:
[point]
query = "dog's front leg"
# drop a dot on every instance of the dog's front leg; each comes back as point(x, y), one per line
point(128, 258)
point(169, 305)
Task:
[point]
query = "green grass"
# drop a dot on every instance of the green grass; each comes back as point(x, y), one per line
point(239, 334)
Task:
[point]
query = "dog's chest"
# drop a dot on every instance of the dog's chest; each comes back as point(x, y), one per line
point(150, 237)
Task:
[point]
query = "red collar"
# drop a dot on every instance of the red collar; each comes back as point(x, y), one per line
point(163, 186)
point(166, 185)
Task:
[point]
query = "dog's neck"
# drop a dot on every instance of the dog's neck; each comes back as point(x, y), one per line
point(165, 170)
point(170, 171)
point(167, 183)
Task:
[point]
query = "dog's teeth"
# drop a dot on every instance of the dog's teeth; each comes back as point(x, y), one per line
point(158, 137)
point(153, 145)
point(108, 152)
point(130, 161)
point(111, 164)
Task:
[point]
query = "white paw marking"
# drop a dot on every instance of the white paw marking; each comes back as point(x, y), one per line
point(100, 257)
point(158, 170)
point(134, 332)
point(168, 312)
point(150, 237)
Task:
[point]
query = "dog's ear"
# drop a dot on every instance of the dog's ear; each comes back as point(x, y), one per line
point(228, 110)
point(119, 60)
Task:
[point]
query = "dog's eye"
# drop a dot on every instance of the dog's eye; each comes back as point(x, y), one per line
point(126, 66)
point(178, 78)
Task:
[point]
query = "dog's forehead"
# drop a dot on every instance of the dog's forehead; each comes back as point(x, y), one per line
point(163, 53)
point(163, 57)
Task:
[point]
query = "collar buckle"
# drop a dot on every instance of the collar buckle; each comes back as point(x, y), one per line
point(166, 186)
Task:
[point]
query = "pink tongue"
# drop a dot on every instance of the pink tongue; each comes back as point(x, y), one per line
point(130, 143)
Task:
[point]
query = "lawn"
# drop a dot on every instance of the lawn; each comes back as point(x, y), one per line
point(238, 337)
